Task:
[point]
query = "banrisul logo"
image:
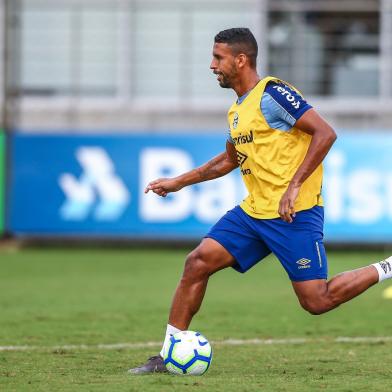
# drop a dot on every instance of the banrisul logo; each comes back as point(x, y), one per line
point(243, 139)
point(235, 120)
point(98, 191)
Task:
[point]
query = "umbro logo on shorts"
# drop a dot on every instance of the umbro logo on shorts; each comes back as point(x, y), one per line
point(303, 263)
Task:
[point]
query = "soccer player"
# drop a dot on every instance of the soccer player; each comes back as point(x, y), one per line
point(279, 142)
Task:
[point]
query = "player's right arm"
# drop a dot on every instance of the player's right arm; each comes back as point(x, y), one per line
point(217, 167)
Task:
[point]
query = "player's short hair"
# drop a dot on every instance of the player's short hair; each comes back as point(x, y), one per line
point(241, 40)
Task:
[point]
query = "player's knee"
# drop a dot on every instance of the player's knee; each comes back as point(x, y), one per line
point(315, 307)
point(196, 266)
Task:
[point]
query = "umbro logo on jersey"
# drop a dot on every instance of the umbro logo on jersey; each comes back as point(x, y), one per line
point(235, 120)
point(303, 263)
point(241, 158)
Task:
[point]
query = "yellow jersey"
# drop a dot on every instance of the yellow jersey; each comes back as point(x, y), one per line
point(269, 158)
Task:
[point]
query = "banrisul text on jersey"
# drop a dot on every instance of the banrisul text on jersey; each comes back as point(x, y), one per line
point(242, 139)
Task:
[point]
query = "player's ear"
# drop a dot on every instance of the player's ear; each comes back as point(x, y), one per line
point(241, 60)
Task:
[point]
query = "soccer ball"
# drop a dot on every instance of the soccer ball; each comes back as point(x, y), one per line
point(187, 353)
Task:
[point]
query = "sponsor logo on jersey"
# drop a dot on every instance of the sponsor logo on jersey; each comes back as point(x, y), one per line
point(246, 171)
point(235, 120)
point(243, 139)
point(288, 95)
point(303, 263)
point(241, 158)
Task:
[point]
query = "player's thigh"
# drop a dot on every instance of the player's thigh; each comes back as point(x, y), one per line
point(238, 235)
point(299, 245)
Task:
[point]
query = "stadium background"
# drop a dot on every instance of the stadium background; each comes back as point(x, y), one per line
point(98, 97)
point(114, 93)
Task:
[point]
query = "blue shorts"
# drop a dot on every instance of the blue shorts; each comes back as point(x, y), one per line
point(298, 245)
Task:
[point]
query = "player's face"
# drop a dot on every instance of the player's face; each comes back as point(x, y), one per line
point(223, 65)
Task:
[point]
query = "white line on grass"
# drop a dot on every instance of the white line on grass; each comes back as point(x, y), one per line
point(227, 342)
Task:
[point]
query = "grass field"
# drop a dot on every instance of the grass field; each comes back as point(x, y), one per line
point(54, 298)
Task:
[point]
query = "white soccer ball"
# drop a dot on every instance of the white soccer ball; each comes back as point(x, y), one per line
point(187, 353)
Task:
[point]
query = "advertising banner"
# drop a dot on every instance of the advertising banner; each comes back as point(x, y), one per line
point(94, 186)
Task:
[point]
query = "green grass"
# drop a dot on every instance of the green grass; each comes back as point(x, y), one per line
point(58, 297)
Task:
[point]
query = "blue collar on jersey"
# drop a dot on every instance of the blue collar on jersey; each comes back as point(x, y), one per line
point(242, 97)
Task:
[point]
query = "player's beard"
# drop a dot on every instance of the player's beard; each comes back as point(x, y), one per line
point(226, 80)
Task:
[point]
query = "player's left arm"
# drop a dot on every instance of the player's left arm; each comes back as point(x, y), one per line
point(323, 136)
point(217, 167)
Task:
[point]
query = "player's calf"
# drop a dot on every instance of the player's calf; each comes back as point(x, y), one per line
point(191, 289)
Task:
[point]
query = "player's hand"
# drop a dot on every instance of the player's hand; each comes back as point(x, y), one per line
point(163, 186)
point(286, 205)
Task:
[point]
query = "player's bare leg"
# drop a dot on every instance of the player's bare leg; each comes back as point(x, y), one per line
point(208, 258)
point(320, 296)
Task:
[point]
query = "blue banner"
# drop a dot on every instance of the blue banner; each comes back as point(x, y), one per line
point(94, 186)
point(358, 188)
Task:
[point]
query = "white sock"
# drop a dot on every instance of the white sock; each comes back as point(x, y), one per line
point(384, 269)
point(170, 330)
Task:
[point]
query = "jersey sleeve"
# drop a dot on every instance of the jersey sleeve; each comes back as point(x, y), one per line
point(282, 106)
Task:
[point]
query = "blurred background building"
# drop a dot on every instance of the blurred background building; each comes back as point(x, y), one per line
point(88, 74)
point(144, 64)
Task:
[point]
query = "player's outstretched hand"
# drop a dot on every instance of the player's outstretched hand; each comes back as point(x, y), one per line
point(286, 205)
point(163, 186)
